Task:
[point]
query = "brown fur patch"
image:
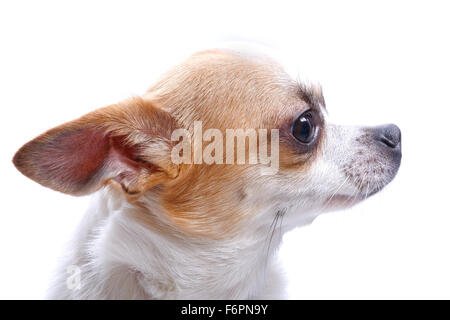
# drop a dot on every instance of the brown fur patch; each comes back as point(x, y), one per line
point(224, 90)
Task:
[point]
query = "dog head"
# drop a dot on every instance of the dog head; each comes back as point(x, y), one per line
point(313, 166)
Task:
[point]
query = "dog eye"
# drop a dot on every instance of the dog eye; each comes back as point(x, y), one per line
point(303, 129)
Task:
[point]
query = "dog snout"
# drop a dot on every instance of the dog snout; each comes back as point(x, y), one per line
point(389, 136)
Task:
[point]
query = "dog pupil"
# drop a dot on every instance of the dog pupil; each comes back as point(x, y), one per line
point(303, 129)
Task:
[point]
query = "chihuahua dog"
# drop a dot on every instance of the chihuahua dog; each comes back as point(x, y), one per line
point(161, 228)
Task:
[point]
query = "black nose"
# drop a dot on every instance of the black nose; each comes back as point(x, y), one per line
point(389, 135)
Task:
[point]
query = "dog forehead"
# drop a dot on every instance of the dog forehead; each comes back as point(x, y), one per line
point(226, 88)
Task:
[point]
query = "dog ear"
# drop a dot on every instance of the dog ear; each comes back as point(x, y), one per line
point(127, 144)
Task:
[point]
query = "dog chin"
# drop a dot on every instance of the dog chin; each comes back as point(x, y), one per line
point(342, 201)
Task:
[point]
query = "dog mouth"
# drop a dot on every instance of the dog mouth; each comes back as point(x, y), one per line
point(362, 192)
point(364, 182)
point(342, 201)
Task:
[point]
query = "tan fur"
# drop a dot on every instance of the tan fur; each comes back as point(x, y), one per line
point(224, 90)
point(161, 230)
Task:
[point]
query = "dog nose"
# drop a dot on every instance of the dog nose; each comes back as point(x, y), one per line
point(389, 135)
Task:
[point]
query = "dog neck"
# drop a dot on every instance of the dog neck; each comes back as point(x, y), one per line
point(160, 265)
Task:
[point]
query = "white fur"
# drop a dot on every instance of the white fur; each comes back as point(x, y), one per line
point(120, 258)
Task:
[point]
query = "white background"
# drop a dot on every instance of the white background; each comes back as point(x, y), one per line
point(377, 61)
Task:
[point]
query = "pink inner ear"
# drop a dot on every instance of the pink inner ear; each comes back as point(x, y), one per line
point(73, 157)
point(77, 158)
point(123, 161)
point(80, 160)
